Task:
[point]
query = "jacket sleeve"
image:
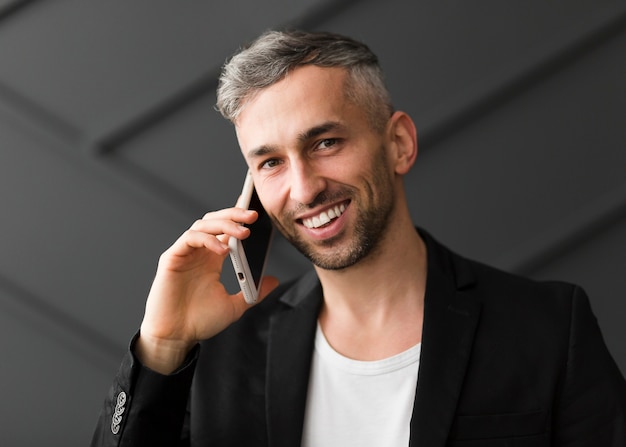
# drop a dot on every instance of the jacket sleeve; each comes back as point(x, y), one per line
point(144, 407)
point(591, 410)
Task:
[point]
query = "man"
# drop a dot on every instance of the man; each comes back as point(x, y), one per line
point(392, 340)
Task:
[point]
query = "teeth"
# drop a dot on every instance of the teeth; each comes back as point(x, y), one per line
point(324, 217)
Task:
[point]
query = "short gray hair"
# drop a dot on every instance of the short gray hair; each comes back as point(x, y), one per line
point(274, 54)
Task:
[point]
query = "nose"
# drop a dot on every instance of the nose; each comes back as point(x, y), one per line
point(306, 184)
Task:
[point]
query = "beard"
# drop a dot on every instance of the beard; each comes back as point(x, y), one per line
point(373, 208)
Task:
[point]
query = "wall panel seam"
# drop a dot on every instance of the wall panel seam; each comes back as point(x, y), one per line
point(558, 238)
point(505, 85)
point(109, 140)
point(64, 142)
point(29, 111)
point(57, 324)
point(9, 9)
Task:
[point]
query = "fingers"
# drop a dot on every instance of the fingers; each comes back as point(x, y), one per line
point(214, 229)
point(194, 239)
point(219, 227)
point(234, 214)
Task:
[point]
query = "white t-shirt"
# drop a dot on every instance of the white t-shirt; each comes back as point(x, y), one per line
point(359, 403)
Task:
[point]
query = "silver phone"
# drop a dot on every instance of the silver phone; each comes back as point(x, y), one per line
point(249, 256)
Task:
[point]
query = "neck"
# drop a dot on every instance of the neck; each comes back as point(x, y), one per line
point(374, 309)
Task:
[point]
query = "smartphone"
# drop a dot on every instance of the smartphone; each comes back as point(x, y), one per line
point(249, 256)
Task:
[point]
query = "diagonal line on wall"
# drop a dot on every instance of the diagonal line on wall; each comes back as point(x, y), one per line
point(181, 201)
point(447, 119)
point(533, 254)
point(504, 86)
point(54, 323)
point(110, 140)
point(64, 138)
point(11, 7)
point(478, 102)
point(528, 258)
point(25, 110)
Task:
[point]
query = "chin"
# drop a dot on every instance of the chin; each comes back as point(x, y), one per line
point(337, 259)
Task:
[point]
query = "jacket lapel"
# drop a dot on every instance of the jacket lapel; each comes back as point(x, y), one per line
point(290, 344)
point(450, 320)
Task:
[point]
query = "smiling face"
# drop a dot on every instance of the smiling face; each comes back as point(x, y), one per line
point(323, 173)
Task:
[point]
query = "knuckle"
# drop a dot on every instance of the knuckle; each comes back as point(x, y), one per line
point(198, 223)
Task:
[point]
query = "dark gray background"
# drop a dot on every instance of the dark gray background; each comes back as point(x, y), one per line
point(110, 148)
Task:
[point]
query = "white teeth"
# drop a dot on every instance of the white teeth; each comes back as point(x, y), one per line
point(324, 217)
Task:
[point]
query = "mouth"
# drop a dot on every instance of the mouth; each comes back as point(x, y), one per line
point(325, 217)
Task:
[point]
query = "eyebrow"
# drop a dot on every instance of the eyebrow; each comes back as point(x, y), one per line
point(303, 137)
point(316, 131)
point(262, 151)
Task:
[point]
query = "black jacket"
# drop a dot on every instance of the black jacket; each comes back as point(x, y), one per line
point(505, 361)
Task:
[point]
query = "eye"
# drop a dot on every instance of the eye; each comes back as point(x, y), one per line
point(327, 143)
point(270, 163)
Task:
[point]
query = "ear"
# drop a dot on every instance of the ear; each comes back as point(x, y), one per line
point(403, 139)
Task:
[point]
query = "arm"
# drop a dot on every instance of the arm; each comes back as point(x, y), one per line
point(592, 406)
point(187, 303)
point(148, 407)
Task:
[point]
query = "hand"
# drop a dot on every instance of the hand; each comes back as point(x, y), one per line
point(187, 302)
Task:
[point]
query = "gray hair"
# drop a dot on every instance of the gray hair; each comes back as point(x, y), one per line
point(274, 54)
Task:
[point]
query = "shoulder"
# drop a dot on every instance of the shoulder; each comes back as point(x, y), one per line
point(492, 285)
point(511, 304)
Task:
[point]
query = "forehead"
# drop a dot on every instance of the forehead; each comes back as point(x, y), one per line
point(307, 97)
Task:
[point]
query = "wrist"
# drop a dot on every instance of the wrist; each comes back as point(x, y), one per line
point(161, 356)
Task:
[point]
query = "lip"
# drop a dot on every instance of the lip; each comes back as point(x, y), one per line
point(329, 229)
point(319, 211)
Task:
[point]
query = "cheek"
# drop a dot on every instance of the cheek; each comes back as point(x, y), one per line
point(272, 198)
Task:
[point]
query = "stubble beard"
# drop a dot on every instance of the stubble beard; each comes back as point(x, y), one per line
point(345, 250)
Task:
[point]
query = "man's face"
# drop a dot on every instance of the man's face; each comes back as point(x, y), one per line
point(321, 171)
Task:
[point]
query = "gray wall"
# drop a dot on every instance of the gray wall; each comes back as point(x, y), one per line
point(110, 148)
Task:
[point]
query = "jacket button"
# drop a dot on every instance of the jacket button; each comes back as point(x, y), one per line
point(116, 420)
